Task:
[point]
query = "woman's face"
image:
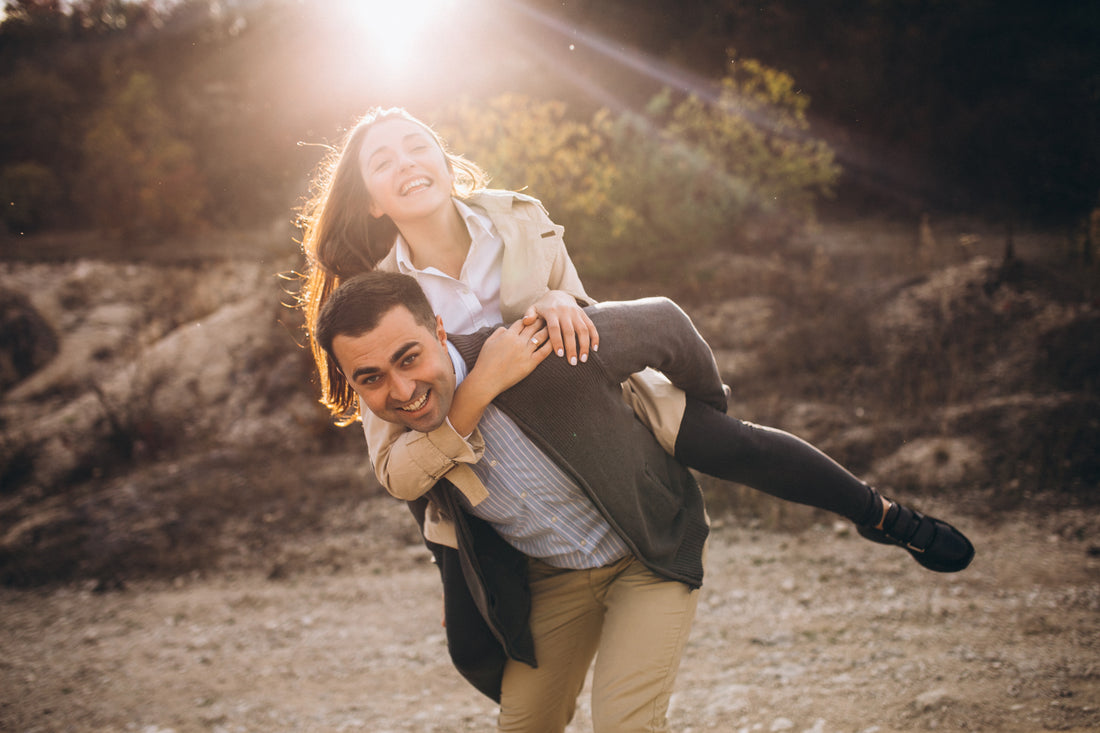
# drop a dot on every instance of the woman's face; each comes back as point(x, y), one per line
point(405, 171)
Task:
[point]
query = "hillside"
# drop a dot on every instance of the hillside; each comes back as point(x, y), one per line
point(165, 418)
point(181, 522)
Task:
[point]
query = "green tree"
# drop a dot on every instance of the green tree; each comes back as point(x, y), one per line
point(29, 196)
point(137, 176)
point(36, 117)
point(701, 172)
point(756, 132)
point(533, 146)
point(33, 20)
point(650, 194)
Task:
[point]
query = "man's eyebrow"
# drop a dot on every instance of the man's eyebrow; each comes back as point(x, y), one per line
point(396, 357)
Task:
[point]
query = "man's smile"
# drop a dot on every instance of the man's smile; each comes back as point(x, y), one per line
point(415, 404)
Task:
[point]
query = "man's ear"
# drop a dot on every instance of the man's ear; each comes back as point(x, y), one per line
point(440, 332)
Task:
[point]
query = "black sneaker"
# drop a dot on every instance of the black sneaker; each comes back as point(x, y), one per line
point(933, 543)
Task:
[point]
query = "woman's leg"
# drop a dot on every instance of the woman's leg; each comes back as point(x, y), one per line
point(772, 461)
point(789, 468)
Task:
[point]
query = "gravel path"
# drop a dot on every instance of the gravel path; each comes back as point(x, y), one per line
point(816, 631)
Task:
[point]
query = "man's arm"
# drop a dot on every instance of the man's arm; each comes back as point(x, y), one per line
point(655, 332)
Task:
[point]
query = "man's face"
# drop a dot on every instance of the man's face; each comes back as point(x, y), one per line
point(401, 370)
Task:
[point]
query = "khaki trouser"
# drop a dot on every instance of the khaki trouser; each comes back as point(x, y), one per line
point(635, 624)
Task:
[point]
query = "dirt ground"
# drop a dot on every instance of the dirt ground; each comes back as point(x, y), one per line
point(812, 631)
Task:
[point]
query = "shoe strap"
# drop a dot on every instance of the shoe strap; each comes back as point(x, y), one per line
point(909, 527)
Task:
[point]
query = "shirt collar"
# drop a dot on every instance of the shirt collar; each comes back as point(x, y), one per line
point(458, 362)
point(477, 224)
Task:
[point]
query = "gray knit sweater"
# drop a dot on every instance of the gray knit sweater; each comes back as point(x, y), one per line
point(577, 416)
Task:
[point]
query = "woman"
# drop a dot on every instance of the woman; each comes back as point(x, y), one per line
point(395, 198)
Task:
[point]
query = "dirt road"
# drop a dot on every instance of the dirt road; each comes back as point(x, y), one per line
point(817, 631)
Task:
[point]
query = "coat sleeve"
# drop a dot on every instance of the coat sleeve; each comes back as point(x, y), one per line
point(535, 258)
point(408, 463)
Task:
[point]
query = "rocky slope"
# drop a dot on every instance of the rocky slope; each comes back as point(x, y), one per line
point(159, 416)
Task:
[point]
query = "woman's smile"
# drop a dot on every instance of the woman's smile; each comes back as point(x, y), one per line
point(414, 185)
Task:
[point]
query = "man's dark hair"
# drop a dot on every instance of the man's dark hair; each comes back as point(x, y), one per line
point(359, 303)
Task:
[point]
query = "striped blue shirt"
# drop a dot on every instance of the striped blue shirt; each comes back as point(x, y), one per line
point(533, 504)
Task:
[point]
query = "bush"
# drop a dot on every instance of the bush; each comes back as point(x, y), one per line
point(702, 173)
point(30, 195)
point(533, 146)
point(649, 194)
point(137, 176)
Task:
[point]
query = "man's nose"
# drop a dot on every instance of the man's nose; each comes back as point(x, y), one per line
point(402, 389)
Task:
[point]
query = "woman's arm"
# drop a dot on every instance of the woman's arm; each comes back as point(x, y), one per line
point(545, 274)
point(408, 463)
point(413, 461)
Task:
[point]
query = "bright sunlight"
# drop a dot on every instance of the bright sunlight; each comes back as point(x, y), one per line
point(394, 31)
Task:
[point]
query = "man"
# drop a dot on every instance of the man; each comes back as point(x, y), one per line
point(590, 542)
point(580, 536)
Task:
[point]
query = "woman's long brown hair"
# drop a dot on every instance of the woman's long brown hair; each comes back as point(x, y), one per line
point(341, 239)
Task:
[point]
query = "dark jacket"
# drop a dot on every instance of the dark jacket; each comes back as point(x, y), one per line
point(577, 416)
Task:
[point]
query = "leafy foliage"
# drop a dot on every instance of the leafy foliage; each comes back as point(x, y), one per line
point(36, 112)
point(29, 194)
point(756, 132)
point(137, 175)
point(533, 146)
point(651, 193)
point(931, 106)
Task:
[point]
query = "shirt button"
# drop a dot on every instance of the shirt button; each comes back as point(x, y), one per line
point(553, 519)
point(523, 495)
point(493, 464)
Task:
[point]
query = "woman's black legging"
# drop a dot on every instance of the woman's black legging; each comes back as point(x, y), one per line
point(772, 461)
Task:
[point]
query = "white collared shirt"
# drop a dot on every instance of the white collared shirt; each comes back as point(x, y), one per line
point(472, 301)
point(533, 504)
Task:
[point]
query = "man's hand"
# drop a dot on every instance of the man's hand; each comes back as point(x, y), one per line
point(506, 358)
point(571, 331)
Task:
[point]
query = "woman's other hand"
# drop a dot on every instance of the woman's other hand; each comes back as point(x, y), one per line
point(506, 358)
point(509, 355)
point(571, 331)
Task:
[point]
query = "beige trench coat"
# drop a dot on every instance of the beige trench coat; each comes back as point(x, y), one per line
point(409, 463)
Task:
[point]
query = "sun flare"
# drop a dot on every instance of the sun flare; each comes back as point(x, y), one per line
point(394, 30)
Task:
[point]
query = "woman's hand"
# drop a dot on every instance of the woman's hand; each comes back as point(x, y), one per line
point(571, 331)
point(506, 358)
